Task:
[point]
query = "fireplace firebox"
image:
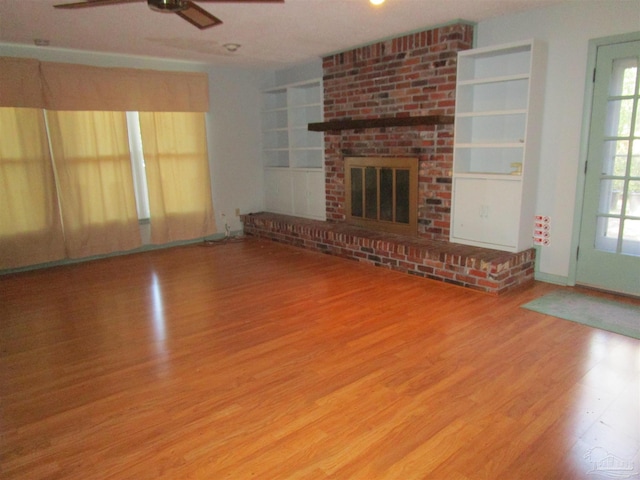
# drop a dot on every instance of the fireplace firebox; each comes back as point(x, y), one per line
point(381, 193)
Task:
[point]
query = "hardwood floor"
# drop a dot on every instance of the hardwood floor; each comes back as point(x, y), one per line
point(257, 360)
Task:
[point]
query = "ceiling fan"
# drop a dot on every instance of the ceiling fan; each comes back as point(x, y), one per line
point(187, 9)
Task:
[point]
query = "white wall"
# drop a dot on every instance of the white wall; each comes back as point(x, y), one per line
point(566, 29)
point(233, 123)
point(235, 144)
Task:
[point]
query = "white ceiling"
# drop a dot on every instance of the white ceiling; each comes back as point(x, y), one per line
point(270, 35)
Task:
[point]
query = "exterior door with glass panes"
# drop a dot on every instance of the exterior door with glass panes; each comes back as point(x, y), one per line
point(609, 247)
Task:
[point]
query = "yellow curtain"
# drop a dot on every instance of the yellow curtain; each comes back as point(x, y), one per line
point(91, 158)
point(30, 227)
point(177, 167)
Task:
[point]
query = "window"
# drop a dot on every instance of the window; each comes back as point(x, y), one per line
point(94, 171)
point(92, 176)
point(137, 166)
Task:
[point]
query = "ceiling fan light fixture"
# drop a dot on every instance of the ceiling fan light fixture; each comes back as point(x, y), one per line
point(167, 6)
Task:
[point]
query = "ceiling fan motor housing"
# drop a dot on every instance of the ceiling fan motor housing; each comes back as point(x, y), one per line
point(168, 6)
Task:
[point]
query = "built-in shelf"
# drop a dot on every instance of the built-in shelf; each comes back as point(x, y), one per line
point(293, 156)
point(337, 125)
point(496, 148)
point(498, 79)
point(491, 175)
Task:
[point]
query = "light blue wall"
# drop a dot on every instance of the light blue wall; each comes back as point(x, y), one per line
point(566, 29)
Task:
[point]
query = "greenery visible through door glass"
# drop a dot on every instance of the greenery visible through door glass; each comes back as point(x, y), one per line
point(611, 196)
point(615, 158)
point(635, 159)
point(633, 199)
point(619, 114)
point(626, 68)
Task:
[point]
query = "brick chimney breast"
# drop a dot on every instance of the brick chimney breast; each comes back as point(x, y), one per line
point(413, 75)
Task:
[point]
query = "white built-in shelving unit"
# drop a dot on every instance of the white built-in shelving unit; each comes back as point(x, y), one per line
point(496, 145)
point(293, 156)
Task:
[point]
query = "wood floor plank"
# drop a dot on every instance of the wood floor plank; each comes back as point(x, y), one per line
point(251, 359)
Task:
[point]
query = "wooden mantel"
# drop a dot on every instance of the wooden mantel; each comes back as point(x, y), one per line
point(337, 125)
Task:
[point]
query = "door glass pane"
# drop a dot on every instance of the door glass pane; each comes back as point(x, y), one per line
point(627, 72)
point(635, 158)
point(386, 194)
point(619, 195)
point(371, 193)
point(619, 117)
point(402, 196)
point(607, 238)
point(356, 192)
point(611, 196)
point(633, 200)
point(615, 157)
point(623, 77)
point(631, 237)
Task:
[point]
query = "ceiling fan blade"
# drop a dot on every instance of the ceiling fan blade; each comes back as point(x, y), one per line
point(241, 1)
point(93, 3)
point(198, 16)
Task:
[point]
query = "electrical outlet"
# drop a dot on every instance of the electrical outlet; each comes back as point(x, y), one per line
point(237, 212)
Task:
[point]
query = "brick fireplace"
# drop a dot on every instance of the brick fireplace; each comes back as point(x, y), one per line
point(410, 76)
point(396, 98)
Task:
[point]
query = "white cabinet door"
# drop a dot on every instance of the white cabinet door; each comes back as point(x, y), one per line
point(467, 209)
point(300, 201)
point(486, 212)
point(308, 194)
point(278, 191)
point(317, 197)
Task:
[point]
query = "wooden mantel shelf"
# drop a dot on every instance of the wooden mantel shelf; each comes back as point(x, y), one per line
point(336, 125)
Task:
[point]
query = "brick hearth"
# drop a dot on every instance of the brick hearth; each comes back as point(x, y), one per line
point(490, 271)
